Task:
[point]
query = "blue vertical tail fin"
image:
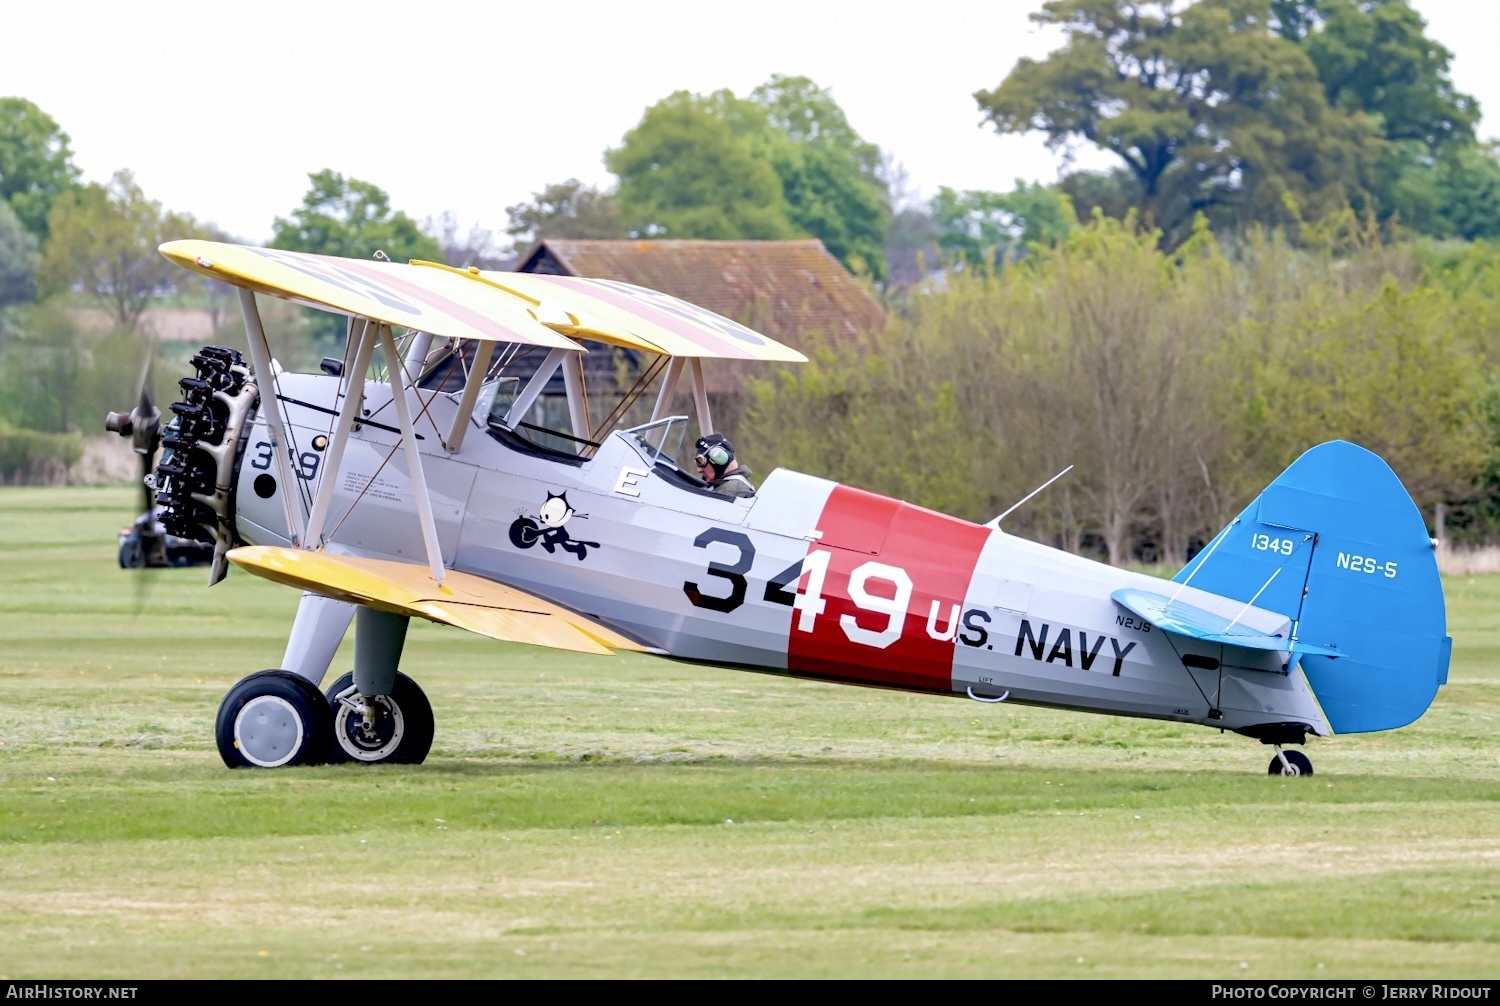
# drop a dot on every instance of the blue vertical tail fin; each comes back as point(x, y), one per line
point(1337, 545)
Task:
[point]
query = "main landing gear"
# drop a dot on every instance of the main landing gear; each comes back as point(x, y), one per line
point(1289, 763)
point(273, 719)
point(372, 715)
point(395, 729)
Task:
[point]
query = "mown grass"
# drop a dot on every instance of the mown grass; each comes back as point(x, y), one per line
point(634, 817)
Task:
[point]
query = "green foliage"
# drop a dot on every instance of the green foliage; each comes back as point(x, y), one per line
point(1376, 58)
point(1207, 109)
point(567, 209)
point(348, 218)
point(104, 240)
point(1384, 371)
point(351, 219)
point(29, 457)
point(1179, 383)
point(57, 377)
point(36, 165)
point(829, 174)
point(18, 259)
point(842, 428)
point(782, 162)
point(1467, 184)
point(684, 173)
point(40, 367)
point(980, 227)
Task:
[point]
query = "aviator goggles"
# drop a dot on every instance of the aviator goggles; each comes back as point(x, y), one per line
point(717, 455)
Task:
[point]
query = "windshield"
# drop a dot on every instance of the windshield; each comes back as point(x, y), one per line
point(658, 441)
point(495, 400)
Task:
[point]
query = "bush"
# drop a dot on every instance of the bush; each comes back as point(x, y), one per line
point(28, 457)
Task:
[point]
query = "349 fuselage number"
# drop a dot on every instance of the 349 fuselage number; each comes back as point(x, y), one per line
point(809, 603)
point(307, 461)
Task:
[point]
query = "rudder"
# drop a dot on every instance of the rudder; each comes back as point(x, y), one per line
point(1337, 545)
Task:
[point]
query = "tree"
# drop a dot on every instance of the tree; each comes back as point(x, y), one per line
point(36, 165)
point(1375, 57)
point(982, 227)
point(911, 248)
point(18, 259)
point(684, 173)
point(1468, 190)
point(567, 209)
point(710, 166)
point(830, 176)
point(352, 219)
point(1382, 369)
point(103, 241)
point(463, 248)
point(1208, 109)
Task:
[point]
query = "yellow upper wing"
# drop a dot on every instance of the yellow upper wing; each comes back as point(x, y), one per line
point(464, 600)
point(494, 306)
point(679, 328)
point(438, 301)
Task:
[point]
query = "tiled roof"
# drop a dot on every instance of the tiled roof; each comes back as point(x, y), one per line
point(793, 291)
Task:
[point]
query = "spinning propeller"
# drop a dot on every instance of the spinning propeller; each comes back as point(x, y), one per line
point(142, 425)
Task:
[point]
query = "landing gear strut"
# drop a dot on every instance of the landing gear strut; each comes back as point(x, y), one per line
point(1289, 763)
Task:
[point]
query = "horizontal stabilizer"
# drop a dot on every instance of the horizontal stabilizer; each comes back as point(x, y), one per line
point(1185, 619)
point(463, 600)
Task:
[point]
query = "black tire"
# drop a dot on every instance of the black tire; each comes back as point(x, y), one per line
point(273, 719)
point(403, 732)
point(1296, 759)
point(132, 556)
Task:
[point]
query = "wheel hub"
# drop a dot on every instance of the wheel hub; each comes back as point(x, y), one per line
point(268, 731)
point(368, 728)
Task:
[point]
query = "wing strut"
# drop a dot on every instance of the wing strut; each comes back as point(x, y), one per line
point(578, 404)
point(668, 389)
point(533, 390)
point(363, 340)
point(413, 456)
point(477, 373)
point(694, 366)
point(265, 379)
point(700, 396)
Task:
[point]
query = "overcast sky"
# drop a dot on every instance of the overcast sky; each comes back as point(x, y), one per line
point(222, 111)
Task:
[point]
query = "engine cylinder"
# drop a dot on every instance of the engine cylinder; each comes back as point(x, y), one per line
point(195, 480)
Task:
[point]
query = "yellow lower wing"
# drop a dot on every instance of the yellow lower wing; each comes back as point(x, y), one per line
point(462, 599)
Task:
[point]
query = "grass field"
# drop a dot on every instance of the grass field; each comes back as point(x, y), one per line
point(633, 817)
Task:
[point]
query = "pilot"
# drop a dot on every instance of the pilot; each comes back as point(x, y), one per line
point(717, 466)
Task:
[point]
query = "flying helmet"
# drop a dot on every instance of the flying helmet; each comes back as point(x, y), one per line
point(713, 451)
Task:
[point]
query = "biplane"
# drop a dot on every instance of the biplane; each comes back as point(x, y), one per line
point(384, 494)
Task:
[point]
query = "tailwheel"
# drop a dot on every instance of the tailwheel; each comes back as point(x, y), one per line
point(273, 719)
point(1290, 763)
point(394, 729)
